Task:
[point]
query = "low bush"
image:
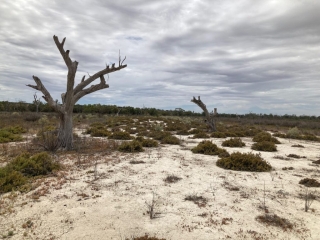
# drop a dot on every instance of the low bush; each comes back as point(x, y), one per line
point(218, 135)
point(132, 146)
point(120, 136)
point(17, 172)
point(265, 137)
point(183, 132)
point(244, 162)
point(208, 148)
point(233, 142)
point(201, 135)
point(309, 182)
point(146, 237)
point(147, 142)
point(98, 130)
point(32, 117)
point(172, 179)
point(274, 220)
point(7, 136)
point(264, 146)
point(170, 140)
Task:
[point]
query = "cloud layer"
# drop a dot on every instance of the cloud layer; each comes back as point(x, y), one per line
point(239, 56)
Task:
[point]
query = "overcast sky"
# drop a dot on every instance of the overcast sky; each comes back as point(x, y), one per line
point(260, 56)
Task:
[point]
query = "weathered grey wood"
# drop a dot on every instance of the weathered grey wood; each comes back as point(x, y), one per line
point(210, 120)
point(73, 94)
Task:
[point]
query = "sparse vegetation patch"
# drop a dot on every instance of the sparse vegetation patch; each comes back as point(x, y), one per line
point(244, 162)
point(208, 148)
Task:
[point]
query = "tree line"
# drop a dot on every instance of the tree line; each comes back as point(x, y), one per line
point(21, 106)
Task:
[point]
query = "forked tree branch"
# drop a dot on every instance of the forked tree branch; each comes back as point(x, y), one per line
point(47, 96)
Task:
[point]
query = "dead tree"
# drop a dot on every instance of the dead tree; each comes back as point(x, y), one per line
point(210, 118)
point(72, 94)
point(37, 102)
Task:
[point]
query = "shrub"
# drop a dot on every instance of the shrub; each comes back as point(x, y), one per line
point(293, 132)
point(233, 142)
point(201, 135)
point(32, 117)
point(158, 135)
point(264, 146)
point(120, 136)
point(98, 130)
point(218, 135)
point(274, 220)
point(172, 179)
point(11, 180)
point(132, 146)
point(170, 140)
point(149, 143)
point(208, 148)
point(195, 131)
point(146, 237)
point(7, 136)
point(16, 173)
point(309, 182)
point(265, 137)
point(183, 132)
point(39, 164)
point(244, 162)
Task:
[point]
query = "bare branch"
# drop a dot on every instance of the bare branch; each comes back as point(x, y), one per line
point(105, 71)
point(91, 89)
point(123, 60)
point(47, 97)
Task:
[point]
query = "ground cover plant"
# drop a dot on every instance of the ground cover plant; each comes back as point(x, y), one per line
point(233, 142)
point(208, 148)
point(244, 162)
point(309, 182)
point(265, 137)
point(119, 135)
point(147, 142)
point(275, 220)
point(264, 146)
point(131, 146)
point(17, 172)
point(11, 134)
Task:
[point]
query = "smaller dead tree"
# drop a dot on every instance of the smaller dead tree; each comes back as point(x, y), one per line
point(210, 117)
point(36, 102)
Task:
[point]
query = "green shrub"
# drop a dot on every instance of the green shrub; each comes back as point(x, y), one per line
point(208, 148)
point(147, 142)
point(11, 180)
point(195, 131)
point(158, 135)
point(146, 237)
point(183, 132)
point(201, 135)
point(264, 146)
point(265, 137)
point(14, 176)
point(218, 135)
point(98, 130)
point(244, 162)
point(121, 136)
point(39, 164)
point(132, 146)
point(233, 142)
point(7, 136)
point(170, 140)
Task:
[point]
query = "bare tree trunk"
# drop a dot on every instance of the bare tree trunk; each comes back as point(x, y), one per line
point(65, 132)
point(210, 118)
point(73, 93)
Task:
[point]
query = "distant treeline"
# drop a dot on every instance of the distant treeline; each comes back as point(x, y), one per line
point(6, 106)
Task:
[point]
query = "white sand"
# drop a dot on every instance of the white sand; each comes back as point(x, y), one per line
point(114, 206)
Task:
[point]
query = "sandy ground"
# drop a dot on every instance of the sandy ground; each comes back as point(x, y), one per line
point(110, 201)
